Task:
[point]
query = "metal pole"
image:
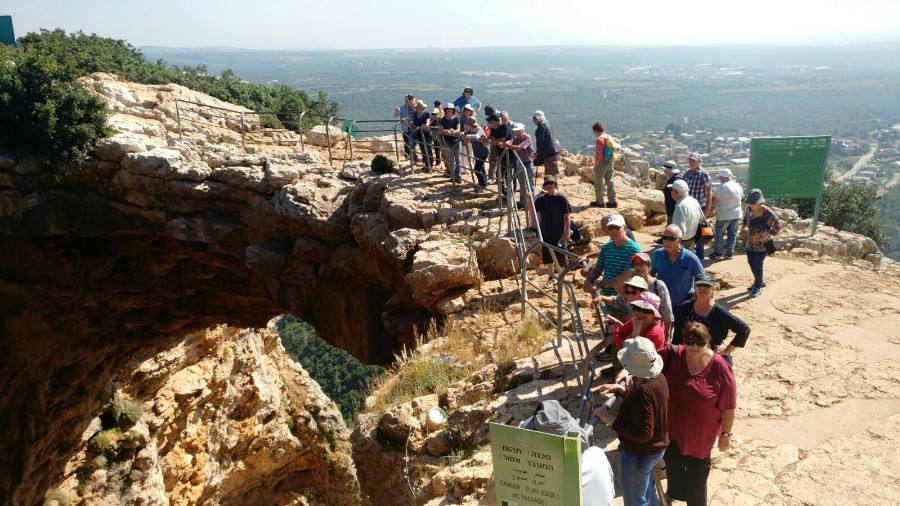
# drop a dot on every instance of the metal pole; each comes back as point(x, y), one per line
point(178, 117)
point(328, 138)
point(243, 140)
point(300, 128)
point(350, 138)
point(396, 146)
point(815, 220)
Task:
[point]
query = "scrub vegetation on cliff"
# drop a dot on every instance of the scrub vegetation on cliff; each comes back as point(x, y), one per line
point(45, 113)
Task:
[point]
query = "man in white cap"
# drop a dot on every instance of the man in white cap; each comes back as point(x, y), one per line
point(642, 420)
point(727, 203)
point(613, 259)
point(688, 213)
point(545, 152)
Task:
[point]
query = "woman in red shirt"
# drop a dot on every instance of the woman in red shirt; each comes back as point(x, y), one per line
point(646, 322)
point(702, 400)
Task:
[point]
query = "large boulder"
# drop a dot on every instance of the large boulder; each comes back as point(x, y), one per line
point(439, 267)
point(317, 136)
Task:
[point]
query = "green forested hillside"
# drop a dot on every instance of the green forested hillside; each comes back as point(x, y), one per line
point(341, 376)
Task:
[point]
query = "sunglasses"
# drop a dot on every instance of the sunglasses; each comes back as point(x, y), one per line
point(632, 292)
point(613, 227)
point(690, 342)
point(637, 309)
point(669, 238)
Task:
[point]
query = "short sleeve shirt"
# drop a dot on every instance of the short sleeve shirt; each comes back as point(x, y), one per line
point(697, 182)
point(614, 260)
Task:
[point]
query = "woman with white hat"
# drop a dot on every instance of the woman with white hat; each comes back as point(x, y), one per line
point(642, 421)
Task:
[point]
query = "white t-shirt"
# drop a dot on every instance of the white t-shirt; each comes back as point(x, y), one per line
point(730, 196)
point(597, 487)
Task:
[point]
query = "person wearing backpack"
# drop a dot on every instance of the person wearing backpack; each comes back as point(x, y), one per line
point(605, 151)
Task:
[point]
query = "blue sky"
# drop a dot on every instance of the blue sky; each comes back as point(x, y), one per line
point(361, 24)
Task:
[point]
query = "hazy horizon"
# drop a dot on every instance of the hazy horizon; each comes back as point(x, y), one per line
point(405, 24)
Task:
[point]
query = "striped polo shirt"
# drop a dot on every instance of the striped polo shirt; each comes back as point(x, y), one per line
point(614, 260)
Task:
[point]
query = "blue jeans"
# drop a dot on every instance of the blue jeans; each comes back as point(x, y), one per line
point(453, 158)
point(756, 259)
point(636, 473)
point(723, 227)
point(699, 247)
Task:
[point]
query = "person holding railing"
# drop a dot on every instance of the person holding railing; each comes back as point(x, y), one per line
point(466, 160)
point(434, 124)
point(521, 144)
point(421, 134)
point(450, 130)
point(499, 134)
point(405, 113)
point(474, 136)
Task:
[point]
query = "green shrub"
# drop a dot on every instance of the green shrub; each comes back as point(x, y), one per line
point(44, 111)
point(99, 442)
point(127, 412)
point(100, 462)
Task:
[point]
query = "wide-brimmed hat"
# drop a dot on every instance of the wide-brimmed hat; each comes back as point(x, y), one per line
point(648, 300)
point(435, 111)
point(637, 282)
point(469, 107)
point(518, 127)
point(472, 122)
point(726, 173)
point(420, 103)
point(755, 197)
point(638, 356)
point(681, 187)
point(696, 157)
point(670, 166)
point(449, 107)
point(549, 179)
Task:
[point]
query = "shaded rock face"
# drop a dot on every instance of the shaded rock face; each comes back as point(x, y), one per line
point(159, 236)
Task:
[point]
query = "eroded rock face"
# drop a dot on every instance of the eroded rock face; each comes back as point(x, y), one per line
point(225, 417)
point(172, 229)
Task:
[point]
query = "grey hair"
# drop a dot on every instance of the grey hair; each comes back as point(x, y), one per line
point(676, 229)
point(539, 117)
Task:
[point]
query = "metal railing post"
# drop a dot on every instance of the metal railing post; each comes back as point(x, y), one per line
point(328, 138)
point(243, 139)
point(178, 118)
point(300, 129)
point(396, 146)
point(350, 137)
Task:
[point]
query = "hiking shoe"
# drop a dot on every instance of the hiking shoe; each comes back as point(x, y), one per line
point(609, 372)
point(612, 204)
point(551, 283)
point(756, 292)
point(728, 255)
point(597, 204)
point(582, 241)
point(751, 286)
point(603, 357)
point(716, 256)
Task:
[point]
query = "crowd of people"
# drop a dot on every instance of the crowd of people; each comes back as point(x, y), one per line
point(671, 352)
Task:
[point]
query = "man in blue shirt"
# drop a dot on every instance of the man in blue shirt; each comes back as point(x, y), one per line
point(675, 266)
point(467, 98)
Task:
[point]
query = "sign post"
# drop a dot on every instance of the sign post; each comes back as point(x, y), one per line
point(790, 167)
point(534, 468)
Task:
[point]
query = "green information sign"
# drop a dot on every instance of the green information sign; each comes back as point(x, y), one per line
point(535, 469)
point(790, 167)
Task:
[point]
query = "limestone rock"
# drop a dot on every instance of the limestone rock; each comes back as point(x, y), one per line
point(441, 266)
point(317, 136)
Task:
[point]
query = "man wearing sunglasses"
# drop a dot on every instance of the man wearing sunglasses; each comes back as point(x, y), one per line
point(675, 265)
point(613, 259)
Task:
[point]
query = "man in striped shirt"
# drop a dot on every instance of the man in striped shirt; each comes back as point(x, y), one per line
point(613, 259)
